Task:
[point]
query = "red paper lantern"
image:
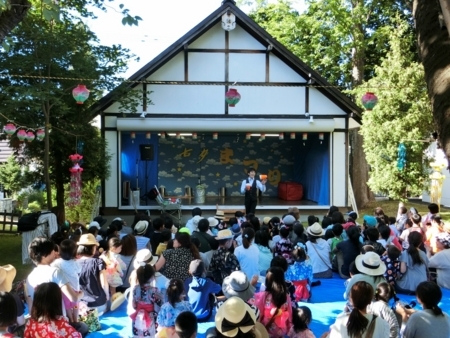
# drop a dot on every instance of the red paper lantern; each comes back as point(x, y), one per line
point(30, 136)
point(80, 93)
point(369, 100)
point(232, 97)
point(22, 134)
point(75, 158)
point(10, 129)
point(40, 134)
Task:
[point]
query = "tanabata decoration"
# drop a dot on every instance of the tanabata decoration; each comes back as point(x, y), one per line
point(30, 136)
point(401, 160)
point(80, 93)
point(40, 134)
point(232, 97)
point(21, 134)
point(369, 100)
point(75, 180)
point(9, 129)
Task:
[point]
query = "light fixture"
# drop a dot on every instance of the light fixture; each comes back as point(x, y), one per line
point(132, 136)
point(292, 136)
point(228, 21)
point(281, 136)
point(215, 136)
point(248, 136)
point(307, 114)
point(311, 119)
point(321, 137)
point(143, 115)
point(148, 135)
point(194, 136)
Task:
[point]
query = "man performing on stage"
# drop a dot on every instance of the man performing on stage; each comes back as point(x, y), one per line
point(248, 187)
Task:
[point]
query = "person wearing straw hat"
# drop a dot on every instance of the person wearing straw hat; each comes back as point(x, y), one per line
point(318, 251)
point(236, 318)
point(140, 230)
point(249, 187)
point(7, 275)
point(223, 262)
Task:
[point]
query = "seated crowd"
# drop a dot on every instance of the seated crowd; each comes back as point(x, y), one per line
point(250, 277)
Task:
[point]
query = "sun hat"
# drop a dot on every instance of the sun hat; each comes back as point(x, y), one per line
point(267, 219)
point(197, 268)
point(444, 239)
point(220, 214)
point(238, 285)
point(141, 227)
point(7, 275)
point(224, 234)
point(289, 220)
point(370, 264)
point(235, 315)
point(315, 230)
point(116, 300)
point(236, 229)
point(371, 221)
point(94, 224)
point(144, 256)
point(100, 220)
point(87, 239)
point(213, 222)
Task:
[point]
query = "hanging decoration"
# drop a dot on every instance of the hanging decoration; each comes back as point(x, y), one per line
point(163, 135)
point(75, 180)
point(178, 136)
point(369, 100)
point(248, 136)
point(194, 136)
point(281, 136)
point(148, 135)
point(232, 97)
point(9, 129)
point(40, 134)
point(80, 93)
point(304, 138)
point(292, 136)
point(132, 136)
point(321, 137)
point(215, 136)
point(262, 137)
point(21, 134)
point(30, 136)
point(401, 159)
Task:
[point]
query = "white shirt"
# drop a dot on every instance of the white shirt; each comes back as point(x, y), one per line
point(319, 253)
point(259, 185)
point(71, 270)
point(339, 328)
point(248, 260)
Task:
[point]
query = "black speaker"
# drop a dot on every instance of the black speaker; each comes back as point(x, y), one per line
point(146, 152)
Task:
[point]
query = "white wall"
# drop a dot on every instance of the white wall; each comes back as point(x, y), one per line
point(338, 165)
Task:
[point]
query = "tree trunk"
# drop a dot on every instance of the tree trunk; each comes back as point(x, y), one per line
point(434, 51)
point(59, 183)
point(48, 183)
point(11, 17)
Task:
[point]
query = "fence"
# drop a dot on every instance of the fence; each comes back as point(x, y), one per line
point(8, 222)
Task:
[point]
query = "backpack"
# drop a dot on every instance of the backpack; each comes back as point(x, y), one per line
point(29, 222)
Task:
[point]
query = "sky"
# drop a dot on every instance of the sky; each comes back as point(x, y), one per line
point(163, 22)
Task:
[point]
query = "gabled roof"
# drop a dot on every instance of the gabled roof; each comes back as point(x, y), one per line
point(259, 34)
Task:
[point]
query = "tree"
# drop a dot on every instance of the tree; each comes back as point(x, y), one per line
point(434, 52)
point(403, 115)
point(56, 53)
point(13, 176)
point(13, 12)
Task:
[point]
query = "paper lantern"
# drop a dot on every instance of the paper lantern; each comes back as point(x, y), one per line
point(40, 134)
point(305, 136)
point(232, 97)
point(369, 100)
point(80, 93)
point(194, 136)
point(76, 158)
point(178, 136)
point(9, 129)
point(132, 136)
point(292, 136)
point(148, 135)
point(163, 135)
point(215, 136)
point(321, 136)
point(281, 136)
point(248, 136)
point(30, 136)
point(22, 134)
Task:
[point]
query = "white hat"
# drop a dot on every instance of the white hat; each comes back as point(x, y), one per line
point(370, 264)
point(289, 220)
point(94, 224)
point(141, 227)
point(7, 275)
point(118, 219)
point(238, 285)
point(213, 222)
point(144, 256)
point(116, 300)
point(315, 230)
point(195, 221)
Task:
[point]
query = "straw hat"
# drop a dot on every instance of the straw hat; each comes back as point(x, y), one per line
point(87, 239)
point(116, 300)
point(238, 285)
point(141, 227)
point(267, 219)
point(315, 230)
point(7, 274)
point(213, 222)
point(224, 234)
point(144, 256)
point(370, 264)
point(220, 214)
point(235, 315)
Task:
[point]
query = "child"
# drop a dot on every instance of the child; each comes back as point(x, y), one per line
point(301, 318)
point(337, 231)
point(46, 317)
point(284, 246)
point(170, 310)
point(166, 236)
point(372, 236)
point(186, 325)
point(380, 307)
point(147, 301)
point(200, 291)
point(300, 273)
point(8, 314)
point(114, 264)
point(274, 226)
point(71, 270)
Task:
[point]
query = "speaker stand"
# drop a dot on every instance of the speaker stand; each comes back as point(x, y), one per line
point(146, 182)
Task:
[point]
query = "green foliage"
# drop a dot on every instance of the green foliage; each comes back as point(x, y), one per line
point(403, 114)
point(13, 176)
point(83, 212)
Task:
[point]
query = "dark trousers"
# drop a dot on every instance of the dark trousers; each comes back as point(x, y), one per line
point(250, 205)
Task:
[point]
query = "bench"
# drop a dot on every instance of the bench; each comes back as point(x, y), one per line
point(228, 213)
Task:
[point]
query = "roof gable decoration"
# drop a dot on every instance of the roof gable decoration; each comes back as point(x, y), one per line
point(229, 17)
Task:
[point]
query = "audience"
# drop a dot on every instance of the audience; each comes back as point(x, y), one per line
point(301, 318)
point(319, 252)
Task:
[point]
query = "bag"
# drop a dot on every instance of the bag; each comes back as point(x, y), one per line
point(90, 318)
point(220, 274)
point(30, 222)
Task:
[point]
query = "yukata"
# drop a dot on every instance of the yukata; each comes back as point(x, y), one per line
point(301, 275)
point(284, 248)
point(280, 319)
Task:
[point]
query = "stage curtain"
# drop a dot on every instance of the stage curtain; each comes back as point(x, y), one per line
point(312, 168)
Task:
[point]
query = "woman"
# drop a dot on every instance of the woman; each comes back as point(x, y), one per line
point(413, 265)
point(434, 230)
point(441, 260)
point(319, 252)
point(349, 249)
point(265, 254)
point(174, 263)
point(46, 318)
point(358, 323)
point(127, 255)
point(431, 322)
point(248, 254)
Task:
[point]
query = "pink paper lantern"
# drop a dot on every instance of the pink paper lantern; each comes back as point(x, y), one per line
point(30, 136)
point(75, 158)
point(232, 97)
point(22, 134)
point(40, 134)
point(80, 93)
point(10, 129)
point(369, 100)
